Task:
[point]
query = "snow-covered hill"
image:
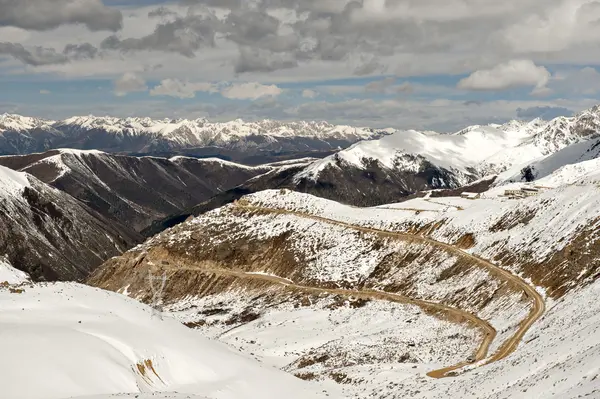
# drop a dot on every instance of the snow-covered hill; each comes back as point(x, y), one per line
point(21, 135)
point(133, 190)
point(563, 167)
point(551, 241)
point(49, 234)
point(66, 340)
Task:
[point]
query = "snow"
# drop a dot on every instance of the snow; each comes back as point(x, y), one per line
point(201, 130)
point(560, 358)
point(563, 167)
point(217, 161)
point(472, 153)
point(11, 182)
point(558, 215)
point(363, 342)
point(20, 123)
point(80, 152)
point(77, 341)
point(10, 275)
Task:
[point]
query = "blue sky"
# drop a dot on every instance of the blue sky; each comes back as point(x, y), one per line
point(375, 65)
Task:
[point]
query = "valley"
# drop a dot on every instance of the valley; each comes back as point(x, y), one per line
point(476, 282)
point(317, 199)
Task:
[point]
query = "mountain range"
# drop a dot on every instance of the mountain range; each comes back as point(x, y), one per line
point(431, 291)
point(237, 140)
point(403, 164)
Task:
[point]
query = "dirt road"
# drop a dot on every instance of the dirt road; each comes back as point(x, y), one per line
point(510, 345)
point(488, 332)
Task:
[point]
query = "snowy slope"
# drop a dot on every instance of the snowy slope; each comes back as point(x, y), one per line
point(11, 182)
point(551, 241)
point(18, 123)
point(460, 158)
point(202, 131)
point(559, 359)
point(67, 340)
point(563, 167)
point(9, 274)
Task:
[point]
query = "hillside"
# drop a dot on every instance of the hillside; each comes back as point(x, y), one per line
point(133, 190)
point(86, 342)
point(50, 235)
point(248, 272)
point(237, 139)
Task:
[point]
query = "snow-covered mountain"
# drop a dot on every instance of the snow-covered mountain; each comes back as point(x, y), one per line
point(49, 234)
point(255, 273)
point(66, 340)
point(563, 167)
point(408, 163)
point(21, 135)
point(468, 154)
point(133, 190)
point(395, 166)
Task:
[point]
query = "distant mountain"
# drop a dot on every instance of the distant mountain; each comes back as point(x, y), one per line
point(50, 235)
point(133, 190)
point(385, 170)
point(399, 165)
point(237, 139)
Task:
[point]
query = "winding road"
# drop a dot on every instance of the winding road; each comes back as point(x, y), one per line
point(487, 330)
point(489, 333)
point(509, 346)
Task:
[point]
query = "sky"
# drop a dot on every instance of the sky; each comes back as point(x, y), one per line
point(408, 64)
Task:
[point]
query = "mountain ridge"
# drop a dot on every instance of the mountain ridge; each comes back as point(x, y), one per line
point(22, 135)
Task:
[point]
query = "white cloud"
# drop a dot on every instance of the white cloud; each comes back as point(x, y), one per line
point(181, 89)
point(44, 92)
point(250, 91)
point(128, 83)
point(515, 73)
point(308, 93)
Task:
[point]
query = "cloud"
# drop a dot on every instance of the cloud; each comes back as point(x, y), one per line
point(256, 60)
point(308, 93)
point(544, 112)
point(44, 15)
point(181, 89)
point(369, 67)
point(80, 51)
point(405, 87)
point(516, 73)
point(35, 56)
point(388, 86)
point(161, 12)
point(250, 91)
point(129, 83)
point(183, 35)
point(45, 92)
